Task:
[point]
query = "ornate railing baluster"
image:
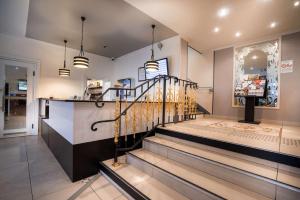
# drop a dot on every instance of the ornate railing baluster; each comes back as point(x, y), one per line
point(176, 98)
point(126, 119)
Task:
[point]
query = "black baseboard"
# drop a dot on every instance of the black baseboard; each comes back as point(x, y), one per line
point(259, 153)
point(82, 160)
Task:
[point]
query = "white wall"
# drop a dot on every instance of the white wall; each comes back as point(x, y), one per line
point(51, 58)
point(200, 70)
point(200, 67)
point(127, 66)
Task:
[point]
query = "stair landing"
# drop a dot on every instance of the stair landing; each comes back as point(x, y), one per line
point(281, 139)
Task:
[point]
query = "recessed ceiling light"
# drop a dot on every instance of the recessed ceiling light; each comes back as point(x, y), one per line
point(273, 25)
point(296, 3)
point(223, 12)
point(238, 34)
point(254, 57)
point(216, 29)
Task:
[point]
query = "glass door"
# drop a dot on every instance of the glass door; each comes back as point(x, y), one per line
point(15, 99)
point(17, 104)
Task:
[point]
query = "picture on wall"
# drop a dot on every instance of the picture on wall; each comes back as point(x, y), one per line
point(91, 83)
point(125, 83)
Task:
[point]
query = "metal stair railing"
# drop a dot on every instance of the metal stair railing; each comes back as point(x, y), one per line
point(178, 101)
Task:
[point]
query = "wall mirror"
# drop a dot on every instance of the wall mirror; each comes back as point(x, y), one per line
point(256, 72)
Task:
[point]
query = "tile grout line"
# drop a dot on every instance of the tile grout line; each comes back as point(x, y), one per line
point(95, 192)
point(28, 168)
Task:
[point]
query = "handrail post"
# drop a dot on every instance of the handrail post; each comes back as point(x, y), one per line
point(117, 145)
point(164, 101)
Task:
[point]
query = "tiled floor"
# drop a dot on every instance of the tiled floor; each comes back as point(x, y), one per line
point(28, 170)
point(272, 137)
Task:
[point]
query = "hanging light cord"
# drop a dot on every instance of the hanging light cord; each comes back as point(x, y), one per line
point(152, 51)
point(81, 47)
point(65, 53)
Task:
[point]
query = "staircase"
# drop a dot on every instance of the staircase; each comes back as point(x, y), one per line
point(171, 168)
point(176, 165)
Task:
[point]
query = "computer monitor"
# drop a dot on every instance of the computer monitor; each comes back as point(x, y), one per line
point(22, 85)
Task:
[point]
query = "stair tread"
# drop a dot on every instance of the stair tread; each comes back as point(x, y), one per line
point(215, 185)
point(286, 177)
point(245, 165)
point(145, 183)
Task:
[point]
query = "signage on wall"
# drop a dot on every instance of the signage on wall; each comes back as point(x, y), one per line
point(287, 66)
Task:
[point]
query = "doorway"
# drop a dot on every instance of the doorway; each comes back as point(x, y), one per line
point(17, 103)
point(15, 98)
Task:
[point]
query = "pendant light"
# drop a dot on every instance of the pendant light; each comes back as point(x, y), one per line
point(152, 65)
point(64, 71)
point(81, 61)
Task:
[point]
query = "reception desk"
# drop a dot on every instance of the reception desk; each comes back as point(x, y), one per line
point(67, 132)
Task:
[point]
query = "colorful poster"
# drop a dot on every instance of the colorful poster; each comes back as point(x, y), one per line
point(287, 66)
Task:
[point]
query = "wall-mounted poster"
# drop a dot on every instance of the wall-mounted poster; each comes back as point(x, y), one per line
point(251, 85)
point(91, 83)
point(287, 66)
point(125, 83)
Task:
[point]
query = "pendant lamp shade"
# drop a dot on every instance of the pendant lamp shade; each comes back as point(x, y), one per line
point(64, 71)
point(81, 61)
point(152, 65)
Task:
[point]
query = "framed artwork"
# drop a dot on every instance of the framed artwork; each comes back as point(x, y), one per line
point(125, 83)
point(141, 74)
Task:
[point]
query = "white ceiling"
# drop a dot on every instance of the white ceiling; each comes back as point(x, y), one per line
point(195, 20)
point(112, 23)
point(13, 17)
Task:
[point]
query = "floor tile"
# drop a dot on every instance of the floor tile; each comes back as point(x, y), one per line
point(49, 182)
point(155, 190)
point(121, 198)
point(12, 155)
point(104, 189)
point(39, 153)
point(258, 136)
point(289, 178)
point(89, 194)
point(62, 194)
point(211, 183)
point(14, 182)
point(42, 166)
point(246, 165)
point(150, 157)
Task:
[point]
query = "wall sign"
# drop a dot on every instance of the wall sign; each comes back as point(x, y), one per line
point(287, 66)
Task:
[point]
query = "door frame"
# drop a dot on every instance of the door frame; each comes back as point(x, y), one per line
point(34, 65)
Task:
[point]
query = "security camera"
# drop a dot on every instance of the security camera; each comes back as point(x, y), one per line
point(160, 45)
